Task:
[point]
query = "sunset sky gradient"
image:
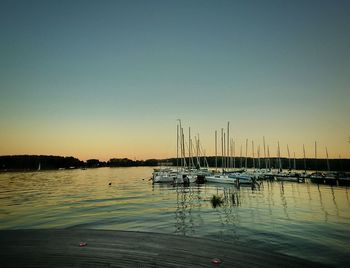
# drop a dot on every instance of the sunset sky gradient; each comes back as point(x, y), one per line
point(103, 79)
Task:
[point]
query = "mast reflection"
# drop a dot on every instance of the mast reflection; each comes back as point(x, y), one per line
point(183, 215)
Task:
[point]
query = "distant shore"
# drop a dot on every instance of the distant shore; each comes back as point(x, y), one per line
point(50, 162)
point(100, 248)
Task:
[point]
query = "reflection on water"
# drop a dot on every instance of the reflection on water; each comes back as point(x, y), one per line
point(307, 220)
point(183, 214)
point(283, 200)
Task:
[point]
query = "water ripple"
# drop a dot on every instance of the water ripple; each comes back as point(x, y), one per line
point(306, 220)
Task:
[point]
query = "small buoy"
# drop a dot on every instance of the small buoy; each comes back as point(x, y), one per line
point(216, 261)
point(110, 183)
point(82, 244)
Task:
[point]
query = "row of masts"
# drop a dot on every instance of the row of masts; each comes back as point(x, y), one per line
point(191, 156)
point(228, 152)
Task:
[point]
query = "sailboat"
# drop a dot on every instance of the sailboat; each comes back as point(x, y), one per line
point(287, 176)
point(223, 177)
point(168, 175)
point(316, 177)
point(186, 172)
point(243, 176)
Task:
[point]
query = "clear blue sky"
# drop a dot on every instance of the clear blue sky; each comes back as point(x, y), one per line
point(109, 78)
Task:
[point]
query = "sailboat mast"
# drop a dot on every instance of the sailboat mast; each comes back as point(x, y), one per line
point(231, 158)
point(177, 147)
point(304, 158)
point(181, 143)
point(225, 156)
point(279, 155)
point(192, 153)
point(265, 152)
point(289, 164)
point(189, 147)
point(197, 152)
point(183, 147)
point(234, 155)
point(228, 145)
point(222, 149)
point(328, 167)
point(216, 150)
point(225, 165)
point(253, 154)
point(246, 153)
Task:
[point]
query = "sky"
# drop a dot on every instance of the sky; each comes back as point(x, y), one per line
point(106, 79)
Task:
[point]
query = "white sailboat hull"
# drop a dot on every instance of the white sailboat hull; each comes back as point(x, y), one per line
point(221, 179)
point(242, 178)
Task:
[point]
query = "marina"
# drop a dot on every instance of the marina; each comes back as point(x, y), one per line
point(191, 169)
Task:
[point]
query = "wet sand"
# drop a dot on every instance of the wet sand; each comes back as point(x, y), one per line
point(61, 248)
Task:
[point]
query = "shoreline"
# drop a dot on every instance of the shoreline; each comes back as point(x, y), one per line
point(51, 162)
point(105, 248)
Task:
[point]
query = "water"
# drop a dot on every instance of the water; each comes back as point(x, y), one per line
point(306, 220)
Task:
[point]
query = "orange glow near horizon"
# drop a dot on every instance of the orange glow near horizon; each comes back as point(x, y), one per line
point(155, 142)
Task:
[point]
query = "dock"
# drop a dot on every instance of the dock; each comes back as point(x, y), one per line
point(107, 248)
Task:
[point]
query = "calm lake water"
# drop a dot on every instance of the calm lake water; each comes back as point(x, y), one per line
point(306, 220)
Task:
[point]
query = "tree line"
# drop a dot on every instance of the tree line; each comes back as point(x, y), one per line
point(45, 162)
point(50, 162)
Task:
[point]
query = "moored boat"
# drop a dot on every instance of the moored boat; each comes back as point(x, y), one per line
point(290, 176)
point(221, 178)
